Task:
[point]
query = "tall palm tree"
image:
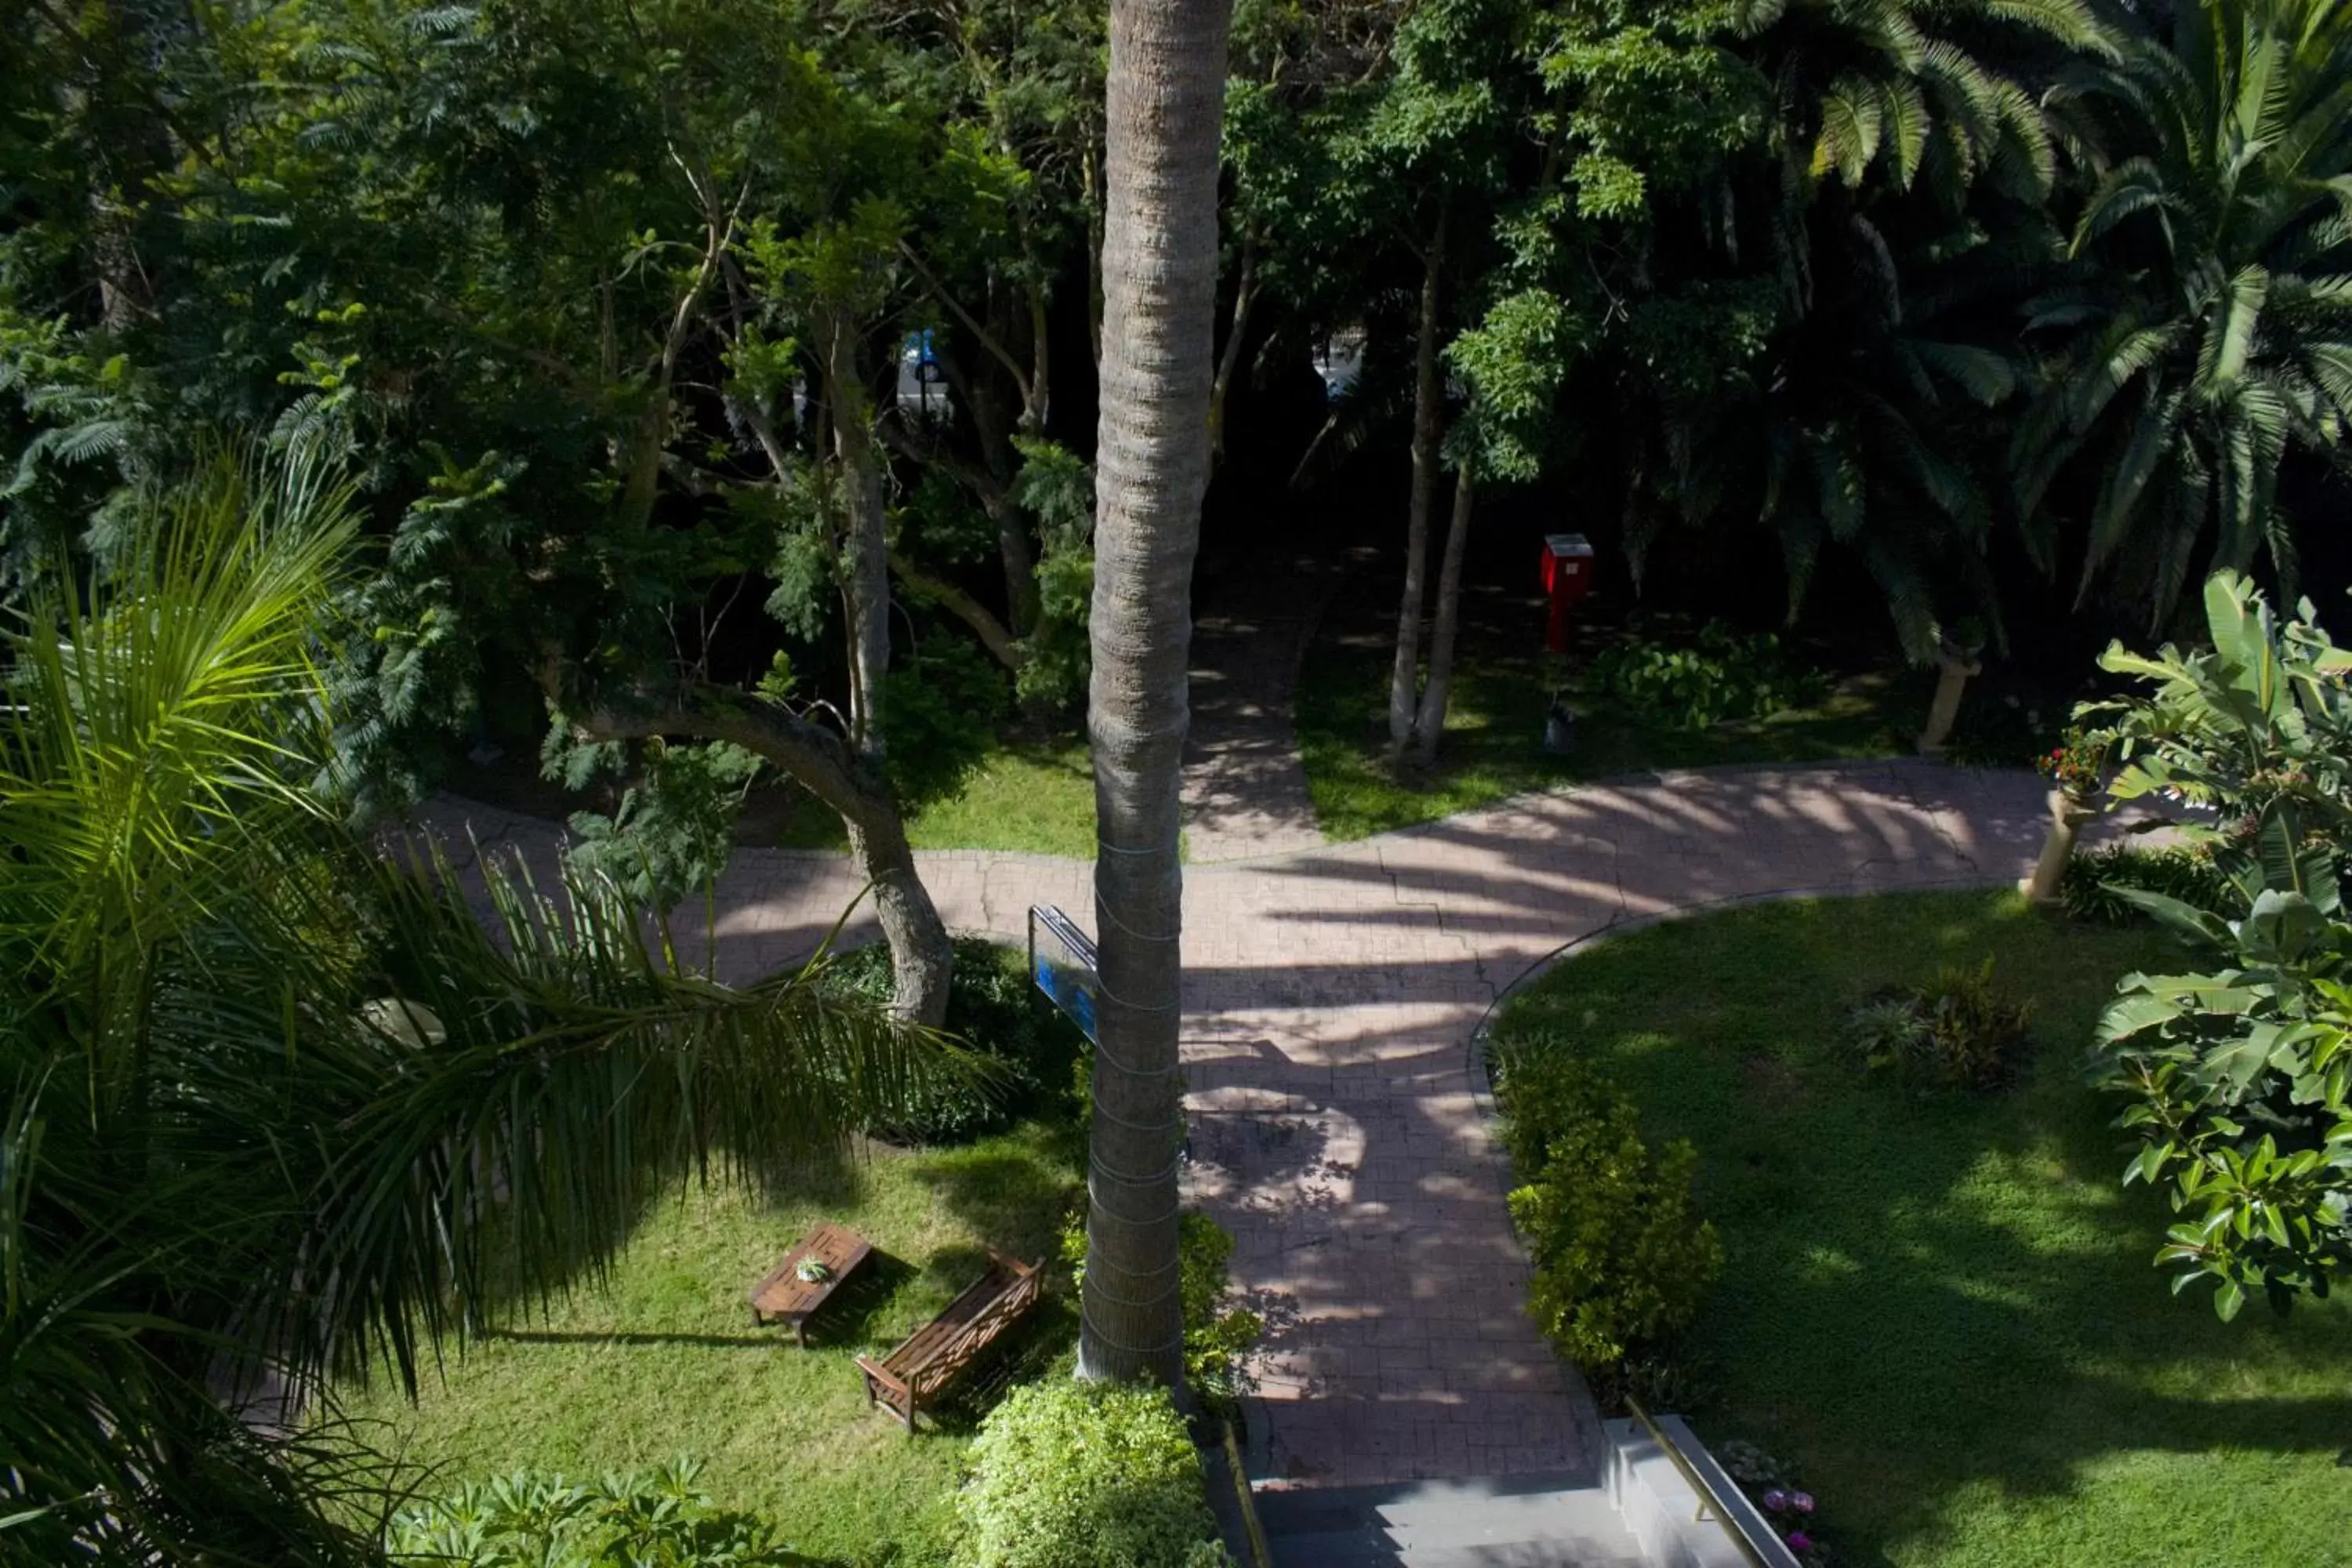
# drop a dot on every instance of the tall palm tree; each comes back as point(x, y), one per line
point(2209, 330)
point(1164, 103)
point(278, 1110)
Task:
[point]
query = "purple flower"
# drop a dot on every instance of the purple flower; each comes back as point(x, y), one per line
point(1775, 1500)
point(1800, 1542)
point(1801, 1501)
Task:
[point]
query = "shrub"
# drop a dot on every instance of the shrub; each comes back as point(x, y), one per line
point(523, 1521)
point(1955, 1030)
point(1082, 1475)
point(995, 1010)
point(1622, 1258)
point(2092, 880)
point(1216, 1342)
point(1718, 676)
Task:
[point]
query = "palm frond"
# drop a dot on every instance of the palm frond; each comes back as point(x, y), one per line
point(2130, 187)
point(1985, 374)
point(1852, 118)
point(498, 1127)
point(144, 728)
point(2069, 22)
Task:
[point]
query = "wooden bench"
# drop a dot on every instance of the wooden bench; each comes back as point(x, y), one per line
point(936, 1354)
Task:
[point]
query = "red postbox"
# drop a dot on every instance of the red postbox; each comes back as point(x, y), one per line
point(1566, 577)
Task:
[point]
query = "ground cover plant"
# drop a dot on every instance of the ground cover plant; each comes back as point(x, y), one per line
point(663, 1361)
point(1937, 1305)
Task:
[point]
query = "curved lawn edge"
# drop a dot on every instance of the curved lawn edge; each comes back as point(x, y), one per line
point(1942, 1307)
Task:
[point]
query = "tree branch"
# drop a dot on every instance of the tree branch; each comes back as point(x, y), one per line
point(816, 758)
point(963, 607)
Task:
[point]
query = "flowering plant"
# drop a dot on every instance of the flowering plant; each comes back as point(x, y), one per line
point(1787, 1509)
point(2077, 765)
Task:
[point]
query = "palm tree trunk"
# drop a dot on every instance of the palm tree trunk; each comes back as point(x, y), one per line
point(1428, 412)
point(1430, 724)
point(1160, 292)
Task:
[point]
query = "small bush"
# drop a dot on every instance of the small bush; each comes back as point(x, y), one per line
point(1622, 1258)
point(2089, 886)
point(1081, 1475)
point(1958, 1030)
point(523, 1521)
point(994, 1009)
point(1718, 675)
point(1217, 1342)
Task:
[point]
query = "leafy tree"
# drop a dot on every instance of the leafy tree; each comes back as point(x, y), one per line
point(1835, 355)
point(2207, 331)
point(602, 298)
point(1021, 87)
point(277, 1109)
point(2240, 1077)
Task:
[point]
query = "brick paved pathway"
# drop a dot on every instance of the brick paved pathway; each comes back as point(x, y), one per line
point(1244, 790)
point(1329, 998)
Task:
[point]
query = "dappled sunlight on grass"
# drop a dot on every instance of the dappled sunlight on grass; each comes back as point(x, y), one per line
point(664, 1360)
point(1034, 797)
point(1942, 1307)
point(1494, 728)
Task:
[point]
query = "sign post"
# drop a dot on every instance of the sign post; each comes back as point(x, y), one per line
point(1061, 961)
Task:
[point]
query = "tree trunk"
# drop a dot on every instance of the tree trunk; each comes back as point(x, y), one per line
point(1428, 417)
point(1159, 288)
point(921, 957)
point(1220, 390)
point(867, 580)
point(1430, 724)
point(1021, 597)
point(847, 778)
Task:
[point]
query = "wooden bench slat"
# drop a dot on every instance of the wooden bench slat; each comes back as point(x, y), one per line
point(932, 1358)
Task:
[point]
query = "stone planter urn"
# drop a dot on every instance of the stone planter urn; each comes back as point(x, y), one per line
point(1953, 665)
point(2068, 812)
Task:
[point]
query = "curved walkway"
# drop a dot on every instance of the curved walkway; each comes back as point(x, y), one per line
point(1329, 998)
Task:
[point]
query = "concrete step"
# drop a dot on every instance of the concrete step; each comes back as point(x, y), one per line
point(1517, 1521)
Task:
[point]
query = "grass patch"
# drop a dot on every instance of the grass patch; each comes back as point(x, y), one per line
point(663, 1360)
point(1034, 797)
point(1940, 1307)
point(1493, 729)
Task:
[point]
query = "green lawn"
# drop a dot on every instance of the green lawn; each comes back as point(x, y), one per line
point(664, 1361)
point(1494, 727)
point(1035, 798)
point(1941, 1309)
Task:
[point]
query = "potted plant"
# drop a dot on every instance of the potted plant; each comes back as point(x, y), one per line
point(2078, 767)
point(811, 1271)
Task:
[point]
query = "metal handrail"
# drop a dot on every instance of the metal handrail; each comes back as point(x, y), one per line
point(1708, 1497)
point(1261, 1554)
